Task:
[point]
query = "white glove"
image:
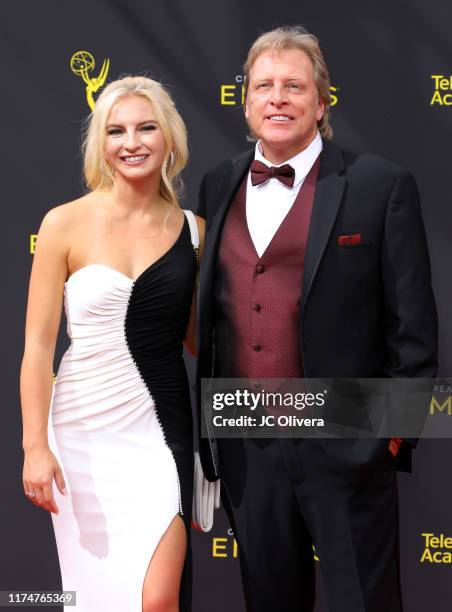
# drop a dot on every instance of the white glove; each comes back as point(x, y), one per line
point(206, 497)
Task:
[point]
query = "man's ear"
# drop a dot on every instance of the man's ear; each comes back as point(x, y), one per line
point(320, 108)
point(246, 110)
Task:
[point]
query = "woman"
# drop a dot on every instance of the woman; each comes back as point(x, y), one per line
point(120, 436)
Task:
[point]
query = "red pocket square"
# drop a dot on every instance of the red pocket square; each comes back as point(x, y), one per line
point(352, 239)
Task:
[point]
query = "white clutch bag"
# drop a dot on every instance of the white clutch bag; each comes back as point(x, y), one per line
point(206, 498)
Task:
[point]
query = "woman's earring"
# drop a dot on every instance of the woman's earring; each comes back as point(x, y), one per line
point(101, 168)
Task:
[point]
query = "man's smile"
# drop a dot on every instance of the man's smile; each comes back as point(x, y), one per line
point(280, 117)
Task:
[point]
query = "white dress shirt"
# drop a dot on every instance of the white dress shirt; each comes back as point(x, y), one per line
point(267, 204)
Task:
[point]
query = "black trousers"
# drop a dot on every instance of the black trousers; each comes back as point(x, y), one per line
point(282, 496)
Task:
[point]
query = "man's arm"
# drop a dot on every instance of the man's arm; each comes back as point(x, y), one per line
point(201, 209)
point(411, 327)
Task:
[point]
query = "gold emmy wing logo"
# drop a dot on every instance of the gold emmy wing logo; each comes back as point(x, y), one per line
point(82, 63)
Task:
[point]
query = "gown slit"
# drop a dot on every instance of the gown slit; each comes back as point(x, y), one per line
point(157, 545)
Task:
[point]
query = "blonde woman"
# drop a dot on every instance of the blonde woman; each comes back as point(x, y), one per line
point(115, 466)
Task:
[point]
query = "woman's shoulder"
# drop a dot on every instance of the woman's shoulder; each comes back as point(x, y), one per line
point(69, 214)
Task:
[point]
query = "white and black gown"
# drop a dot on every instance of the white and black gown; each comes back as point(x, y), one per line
point(121, 426)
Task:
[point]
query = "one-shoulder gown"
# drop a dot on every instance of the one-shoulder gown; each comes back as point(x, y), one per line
point(121, 426)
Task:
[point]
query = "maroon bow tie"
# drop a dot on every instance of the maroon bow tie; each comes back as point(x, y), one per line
point(261, 173)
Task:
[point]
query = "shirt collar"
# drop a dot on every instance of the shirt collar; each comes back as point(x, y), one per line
point(301, 162)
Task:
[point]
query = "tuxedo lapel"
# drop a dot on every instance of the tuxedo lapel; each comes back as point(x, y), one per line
point(225, 193)
point(327, 199)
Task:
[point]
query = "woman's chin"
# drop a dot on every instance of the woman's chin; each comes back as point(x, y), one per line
point(136, 175)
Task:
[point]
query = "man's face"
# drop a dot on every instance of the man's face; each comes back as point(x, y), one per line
point(282, 104)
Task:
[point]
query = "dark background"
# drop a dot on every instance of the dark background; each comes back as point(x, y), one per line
point(381, 57)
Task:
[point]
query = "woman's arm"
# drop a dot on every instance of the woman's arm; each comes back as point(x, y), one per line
point(190, 341)
point(45, 298)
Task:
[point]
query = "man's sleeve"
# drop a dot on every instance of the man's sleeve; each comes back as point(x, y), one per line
point(201, 209)
point(411, 327)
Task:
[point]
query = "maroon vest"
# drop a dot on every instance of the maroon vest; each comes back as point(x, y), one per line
point(258, 298)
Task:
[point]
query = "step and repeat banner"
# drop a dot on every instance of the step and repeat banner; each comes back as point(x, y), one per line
point(391, 74)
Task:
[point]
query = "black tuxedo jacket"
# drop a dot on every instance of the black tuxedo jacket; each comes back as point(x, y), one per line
point(367, 310)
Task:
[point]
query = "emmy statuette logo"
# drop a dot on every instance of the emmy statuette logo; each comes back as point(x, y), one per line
point(82, 63)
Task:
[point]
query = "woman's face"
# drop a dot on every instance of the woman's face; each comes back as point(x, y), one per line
point(134, 144)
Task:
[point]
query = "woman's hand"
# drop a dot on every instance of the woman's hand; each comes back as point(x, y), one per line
point(40, 468)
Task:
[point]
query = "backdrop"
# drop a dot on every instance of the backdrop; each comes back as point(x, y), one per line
point(390, 65)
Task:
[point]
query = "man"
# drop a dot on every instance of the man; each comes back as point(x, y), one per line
point(315, 265)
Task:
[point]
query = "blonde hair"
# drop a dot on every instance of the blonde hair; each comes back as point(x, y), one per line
point(296, 37)
point(170, 122)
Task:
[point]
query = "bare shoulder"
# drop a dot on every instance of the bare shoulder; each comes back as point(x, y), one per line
point(66, 216)
point(62, 225)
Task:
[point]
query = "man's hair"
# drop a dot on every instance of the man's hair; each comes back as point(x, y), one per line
point(296, 37)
